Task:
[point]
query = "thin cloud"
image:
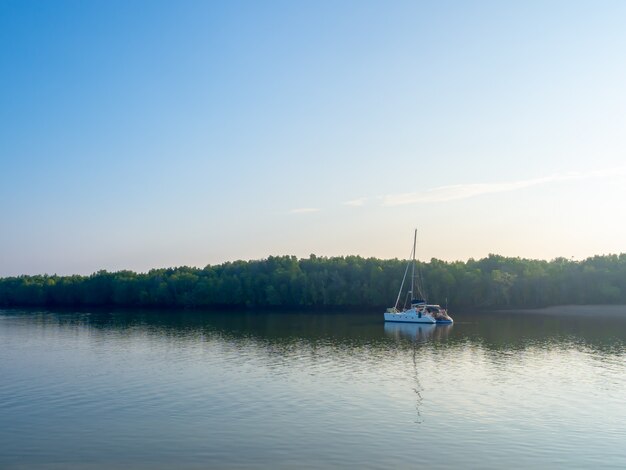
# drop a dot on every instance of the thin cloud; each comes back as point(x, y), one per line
point(356, 202)
point(465, 191)
point(304, 210)
point(461, 191)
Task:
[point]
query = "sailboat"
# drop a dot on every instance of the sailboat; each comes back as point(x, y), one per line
point(418, 310)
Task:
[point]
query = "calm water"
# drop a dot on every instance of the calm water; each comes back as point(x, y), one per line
point(244, 390)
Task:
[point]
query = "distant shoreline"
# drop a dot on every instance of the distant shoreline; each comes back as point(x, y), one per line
point(556, 310)
point(571, 309)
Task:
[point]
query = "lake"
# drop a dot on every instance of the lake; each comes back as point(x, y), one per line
point(249, 390)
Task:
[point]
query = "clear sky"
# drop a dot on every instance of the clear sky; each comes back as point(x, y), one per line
point(140, 134)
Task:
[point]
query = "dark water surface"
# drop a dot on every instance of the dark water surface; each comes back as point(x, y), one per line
point(261, 390)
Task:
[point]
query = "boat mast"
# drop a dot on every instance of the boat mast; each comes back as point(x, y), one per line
point(413, 271)
point(404, 277)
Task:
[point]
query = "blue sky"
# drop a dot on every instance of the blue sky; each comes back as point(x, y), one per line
point(149, 134)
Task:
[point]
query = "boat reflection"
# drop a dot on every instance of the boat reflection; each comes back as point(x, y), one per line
point(419, 332)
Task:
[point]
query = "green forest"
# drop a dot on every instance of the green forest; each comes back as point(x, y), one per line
point(335, 282)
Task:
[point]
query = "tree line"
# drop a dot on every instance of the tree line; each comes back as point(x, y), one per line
point(332, 282)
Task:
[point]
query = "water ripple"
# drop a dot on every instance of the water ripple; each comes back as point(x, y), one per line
point(140, 390)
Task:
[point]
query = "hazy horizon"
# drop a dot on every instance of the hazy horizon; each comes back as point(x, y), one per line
point(154, 134)
point(201, 266)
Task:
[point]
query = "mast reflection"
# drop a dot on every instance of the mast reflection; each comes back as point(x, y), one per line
point(417, 333)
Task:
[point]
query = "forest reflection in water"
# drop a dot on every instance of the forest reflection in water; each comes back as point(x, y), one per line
point(600, 328)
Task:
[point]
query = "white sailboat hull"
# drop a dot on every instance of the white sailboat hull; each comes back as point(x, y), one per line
point(409, 316)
